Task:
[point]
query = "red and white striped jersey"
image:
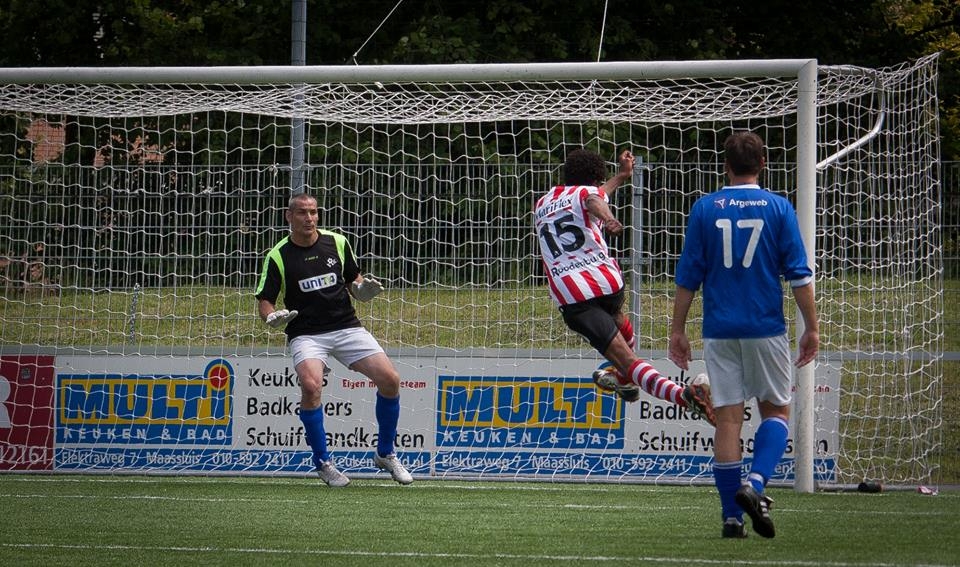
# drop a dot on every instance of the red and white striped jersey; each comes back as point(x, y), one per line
point(575, 256)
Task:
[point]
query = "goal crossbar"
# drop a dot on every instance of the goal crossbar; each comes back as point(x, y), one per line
point(272, 74)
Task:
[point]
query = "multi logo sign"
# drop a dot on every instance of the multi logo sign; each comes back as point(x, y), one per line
point(526, 413)
point(160, 409)
point(147, 417)
point(461, 417)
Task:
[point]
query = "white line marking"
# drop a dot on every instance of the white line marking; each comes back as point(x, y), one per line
point(504, 505)
point(356, 553)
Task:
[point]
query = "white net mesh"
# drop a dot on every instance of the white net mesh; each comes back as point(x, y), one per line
point(134, 220)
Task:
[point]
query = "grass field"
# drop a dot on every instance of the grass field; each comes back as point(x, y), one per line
point(103, 521)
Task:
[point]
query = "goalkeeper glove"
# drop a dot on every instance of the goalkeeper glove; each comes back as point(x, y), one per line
point(280, 318)
point(367, 289)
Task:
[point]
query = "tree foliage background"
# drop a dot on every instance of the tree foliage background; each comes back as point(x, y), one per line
point(871, 33)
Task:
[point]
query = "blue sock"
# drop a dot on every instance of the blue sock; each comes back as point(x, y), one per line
point(388, 414)
point(316, 436)
point(726, 477)
point(768, 446)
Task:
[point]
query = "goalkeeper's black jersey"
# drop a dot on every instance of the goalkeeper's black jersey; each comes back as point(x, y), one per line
point(313, 280)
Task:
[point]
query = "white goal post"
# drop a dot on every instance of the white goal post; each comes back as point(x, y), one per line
point(136, 205)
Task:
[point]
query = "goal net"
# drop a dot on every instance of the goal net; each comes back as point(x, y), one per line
point(136, 206)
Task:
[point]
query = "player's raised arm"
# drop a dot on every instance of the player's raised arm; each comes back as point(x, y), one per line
point(627, 161)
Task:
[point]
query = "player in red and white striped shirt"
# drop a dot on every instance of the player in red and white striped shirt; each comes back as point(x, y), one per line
point(587, 284)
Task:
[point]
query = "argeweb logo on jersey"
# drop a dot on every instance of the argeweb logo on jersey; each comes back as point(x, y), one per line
point(318, 282)
point(743, 203)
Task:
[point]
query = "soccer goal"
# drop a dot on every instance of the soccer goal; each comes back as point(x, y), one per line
point(136, 206)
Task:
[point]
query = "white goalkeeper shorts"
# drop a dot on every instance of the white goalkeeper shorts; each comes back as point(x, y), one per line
point(346, 345)
point(743, 369)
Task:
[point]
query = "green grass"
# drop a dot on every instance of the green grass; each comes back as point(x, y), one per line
point(522, 317)
point(103, 521)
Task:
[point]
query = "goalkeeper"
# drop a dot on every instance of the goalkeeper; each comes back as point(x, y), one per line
point(316, 272)
point(587, 284)
point(739, 242)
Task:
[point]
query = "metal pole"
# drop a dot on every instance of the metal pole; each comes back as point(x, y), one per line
point(298, 57)
point(286, 74)
point(804, 414)
point(636, 243)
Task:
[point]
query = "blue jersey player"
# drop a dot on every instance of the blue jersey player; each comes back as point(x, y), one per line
point(740, 241)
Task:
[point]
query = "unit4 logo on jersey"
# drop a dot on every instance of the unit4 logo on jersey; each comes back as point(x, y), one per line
point(318, 282)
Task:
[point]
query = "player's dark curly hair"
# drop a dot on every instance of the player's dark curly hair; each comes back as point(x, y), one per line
point(584, 167)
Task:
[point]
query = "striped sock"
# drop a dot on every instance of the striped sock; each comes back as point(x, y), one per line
point(655, 384)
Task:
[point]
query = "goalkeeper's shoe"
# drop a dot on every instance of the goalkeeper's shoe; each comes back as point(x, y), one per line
point(607, 378)
point(392, 465)
point(696, 394)
point(733, 528)
point(330, 474)
point(757, 506)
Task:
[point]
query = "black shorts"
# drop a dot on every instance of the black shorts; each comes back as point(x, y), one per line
point(595, 319)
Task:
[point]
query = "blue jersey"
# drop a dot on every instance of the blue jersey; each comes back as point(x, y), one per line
point(739, 242)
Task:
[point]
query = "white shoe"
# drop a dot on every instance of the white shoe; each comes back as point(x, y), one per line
point(330, 474)
point(392, 464)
